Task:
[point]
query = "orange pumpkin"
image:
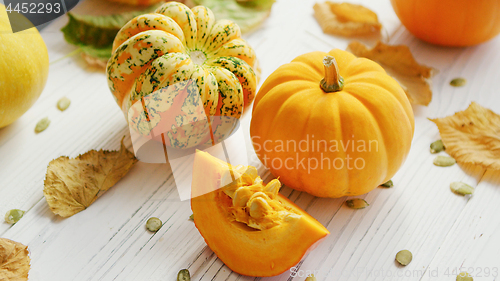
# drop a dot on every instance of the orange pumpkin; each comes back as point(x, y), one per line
point(450, 22)
point(332, 125)
point(252, 228)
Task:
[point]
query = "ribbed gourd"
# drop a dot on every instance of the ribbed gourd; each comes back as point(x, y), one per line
point(192, 73)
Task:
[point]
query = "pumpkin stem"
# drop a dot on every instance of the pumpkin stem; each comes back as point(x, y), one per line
point(332, 82)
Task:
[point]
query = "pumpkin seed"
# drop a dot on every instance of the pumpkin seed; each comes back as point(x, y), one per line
point(252, 172)
point(241, 197)
point(404, 257)
point(272, 188)
point(461, 188)
point(311, 278)
point(183, 275)
point(42, 125)
point(258, 208)
point(191, 217)
point(153, 224)
point(63, 103)
point(13, 216)
point(444, 161)
point(437, 146)
point(464, 276)
point(260, 194)
point(357, 203)
point(387, 184)
point(257, 180)
point(458, 82)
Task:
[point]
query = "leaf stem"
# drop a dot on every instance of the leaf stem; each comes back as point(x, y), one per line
point(75, 52)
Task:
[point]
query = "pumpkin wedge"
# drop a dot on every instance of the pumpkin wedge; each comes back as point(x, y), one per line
point(252, 228)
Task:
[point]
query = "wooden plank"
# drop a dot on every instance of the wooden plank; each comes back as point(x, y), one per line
point(472, 243)
point(108, 241)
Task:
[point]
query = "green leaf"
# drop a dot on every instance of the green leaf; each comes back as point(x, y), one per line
point(248, 14)
point(95, 34)
point(257, 4)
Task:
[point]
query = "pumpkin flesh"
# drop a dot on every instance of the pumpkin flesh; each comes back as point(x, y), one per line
point(246, 250)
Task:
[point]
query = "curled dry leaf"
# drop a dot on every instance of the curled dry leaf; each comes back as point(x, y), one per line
point(399, 63)
point(71, 185)
point(346, 19)
point(99, 63)
point(14, 260)
point(472, 136)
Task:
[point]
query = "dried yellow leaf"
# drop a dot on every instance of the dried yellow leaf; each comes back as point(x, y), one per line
point(98, 63)
point(14, 260)
point(472, 136)
point(399, 63)
point(71, 185)
point(346, 19)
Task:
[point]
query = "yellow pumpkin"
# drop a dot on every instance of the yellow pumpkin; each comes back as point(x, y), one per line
point(24, 68)
point(171, 46)
point(252, 228)
point(450, 22)
point(332, 124)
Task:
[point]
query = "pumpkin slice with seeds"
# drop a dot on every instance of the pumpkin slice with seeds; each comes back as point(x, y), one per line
point(252, 228)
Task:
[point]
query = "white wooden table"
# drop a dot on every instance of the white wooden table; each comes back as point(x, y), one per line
point(108, 241)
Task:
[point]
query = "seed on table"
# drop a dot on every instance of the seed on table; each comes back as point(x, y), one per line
point(356, 203)
point(404, 257)
point(458, 82)
point(183, 275)
point(42, 125)
point(464, 276)
point(461, 188)
point(311, 278)
point(153, 224)
point(63, 103)
point(13, 216)
point(387, 184)
point(437, 146)
point(444, 161)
